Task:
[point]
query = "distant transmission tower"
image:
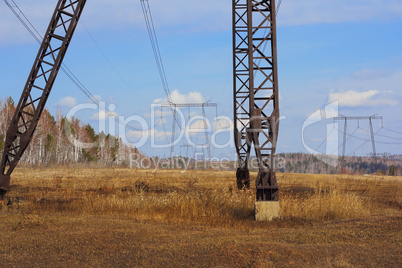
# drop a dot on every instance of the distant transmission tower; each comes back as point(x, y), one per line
point(174, 107)
point(187, 147)
point(358, 118)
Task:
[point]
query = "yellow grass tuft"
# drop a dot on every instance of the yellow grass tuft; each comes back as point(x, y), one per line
point(332, 205)
point(196, 196)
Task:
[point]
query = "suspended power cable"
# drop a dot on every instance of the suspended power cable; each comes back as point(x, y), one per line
point(38, 37)
point(109, 62)
point(358, 148)
point(146, 10)
point(155, 46)
point(389, 143)
point(394, 131)
point(385, 136)
point(349, 136)
point(375, 134)
point(367, 141)
point(278, 7)
point(17, 14)
point(35, 34)
point(325, 139)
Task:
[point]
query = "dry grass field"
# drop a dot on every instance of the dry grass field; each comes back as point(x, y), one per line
point(105, 217)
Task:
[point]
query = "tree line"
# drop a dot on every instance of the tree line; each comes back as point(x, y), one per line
point(326, 164)
point(59, 140)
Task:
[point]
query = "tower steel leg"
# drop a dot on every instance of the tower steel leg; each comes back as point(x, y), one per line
point(256, 99)
point(38, 86)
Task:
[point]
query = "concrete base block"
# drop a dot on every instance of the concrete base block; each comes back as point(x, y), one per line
point(267, 210)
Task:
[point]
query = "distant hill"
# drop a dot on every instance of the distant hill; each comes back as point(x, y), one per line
point(298, 163)
point(324, 164)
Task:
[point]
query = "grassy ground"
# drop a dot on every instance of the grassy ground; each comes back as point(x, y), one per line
point(66, 217)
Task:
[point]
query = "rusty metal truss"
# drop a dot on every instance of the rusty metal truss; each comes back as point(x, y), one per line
point(255, 78)
point(39, 85)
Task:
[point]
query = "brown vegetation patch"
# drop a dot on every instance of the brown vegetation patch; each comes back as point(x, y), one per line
point(123, 217)
point(298, 191)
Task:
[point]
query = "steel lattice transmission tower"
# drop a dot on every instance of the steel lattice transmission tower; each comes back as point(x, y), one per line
point(38, 86)
point(256, 107)
point(175, 106)
point(358, 118)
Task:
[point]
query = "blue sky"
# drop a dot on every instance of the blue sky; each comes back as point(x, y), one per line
point(328, 51)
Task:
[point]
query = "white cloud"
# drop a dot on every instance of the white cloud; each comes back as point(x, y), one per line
point(368, 98)
point(103, 115)
point(178, 98)
point(158, 135)
point(157, 101)
point(223, 123)
point(198, 126)
point(68, 102)
point(386, 83)
point(328, 112)
point(191, 97)
point(160, 114)
point(98, 97)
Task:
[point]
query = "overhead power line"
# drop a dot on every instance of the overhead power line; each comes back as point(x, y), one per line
point(146, 9)
point(278, 7)
point(37, 36)
point(109, 62)
point(385, 136)
point(155, 46)
point(362, 139)
point(358, 148)
point(394, 131)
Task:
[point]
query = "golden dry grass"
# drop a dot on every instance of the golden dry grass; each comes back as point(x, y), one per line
point(197, 196)
point(318, 212)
